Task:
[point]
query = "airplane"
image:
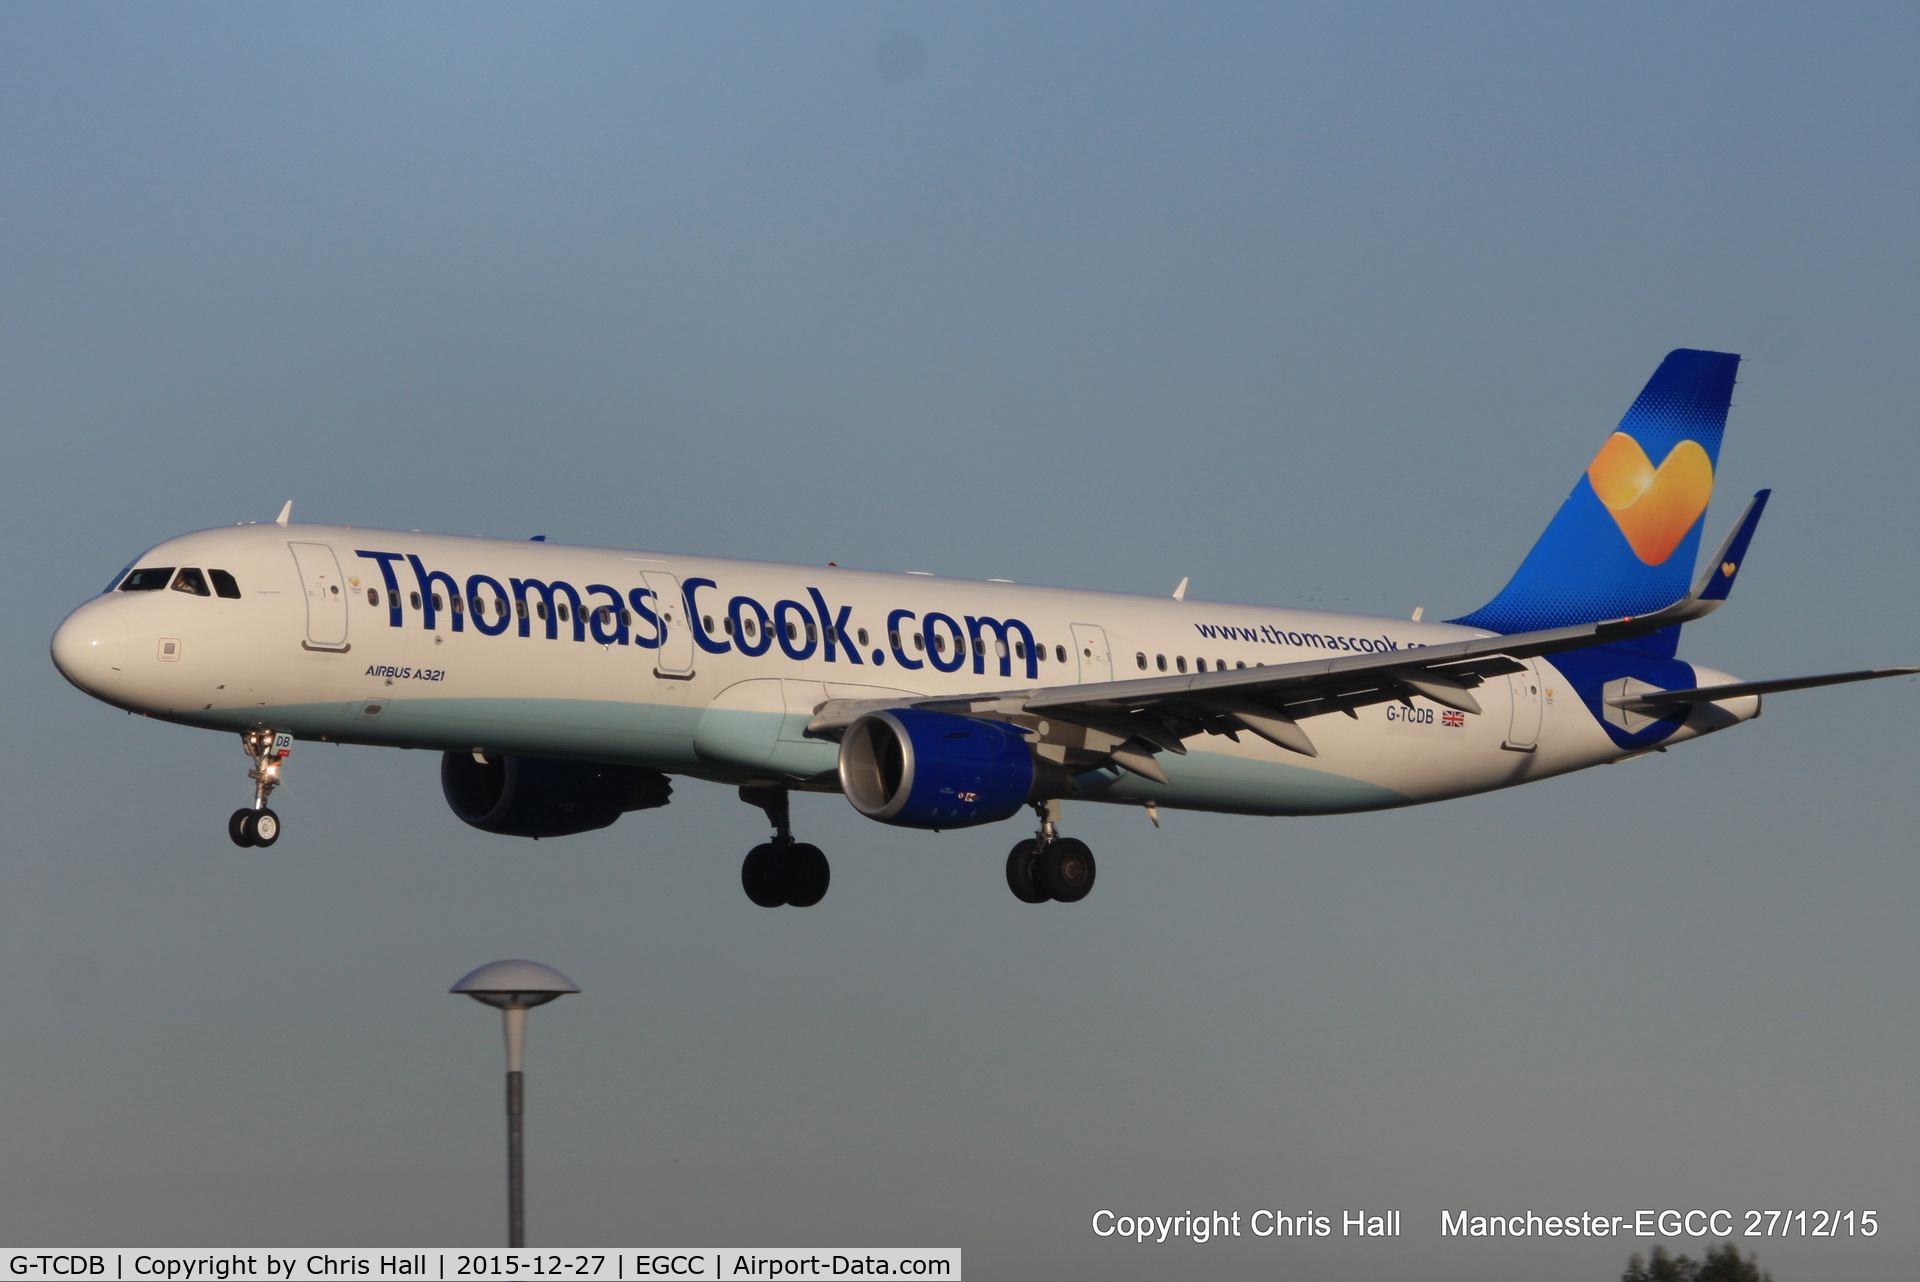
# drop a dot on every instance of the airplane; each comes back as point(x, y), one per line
point(564, 685)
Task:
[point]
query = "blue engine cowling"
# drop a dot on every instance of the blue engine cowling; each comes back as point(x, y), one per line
point(535, 797)
point(933, 770)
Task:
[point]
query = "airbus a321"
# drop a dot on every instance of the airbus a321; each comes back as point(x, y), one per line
point(565, 685)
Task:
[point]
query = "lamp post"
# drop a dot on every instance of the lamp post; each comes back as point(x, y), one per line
point(514, 988)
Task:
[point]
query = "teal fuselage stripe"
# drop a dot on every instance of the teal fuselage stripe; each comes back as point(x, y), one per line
point(733, 744)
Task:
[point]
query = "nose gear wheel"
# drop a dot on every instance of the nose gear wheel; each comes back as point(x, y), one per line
point(258, 825)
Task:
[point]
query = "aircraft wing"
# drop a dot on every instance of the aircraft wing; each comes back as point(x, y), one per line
point(1160, 711)
point(1130, 720)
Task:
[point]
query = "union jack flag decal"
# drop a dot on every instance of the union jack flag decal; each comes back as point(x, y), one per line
point(1452, 718)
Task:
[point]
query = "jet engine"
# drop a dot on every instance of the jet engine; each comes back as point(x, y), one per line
point(537, 797)
point(919, 769)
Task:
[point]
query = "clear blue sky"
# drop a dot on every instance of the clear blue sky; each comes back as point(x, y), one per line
point(1315, 306)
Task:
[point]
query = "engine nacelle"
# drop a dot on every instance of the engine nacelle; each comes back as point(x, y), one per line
point(536, 797)
point(933, 770)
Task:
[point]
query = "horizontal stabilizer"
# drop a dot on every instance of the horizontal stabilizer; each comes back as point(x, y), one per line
point(1666, 700)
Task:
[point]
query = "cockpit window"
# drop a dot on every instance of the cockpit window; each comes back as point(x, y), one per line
point(191, 580)
point(114, 582)
point(223, 584)
point(147, 580)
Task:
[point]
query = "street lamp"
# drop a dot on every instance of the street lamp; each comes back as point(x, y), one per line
point(515, 987)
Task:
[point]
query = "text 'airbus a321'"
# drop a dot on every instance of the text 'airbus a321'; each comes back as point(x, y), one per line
point(565, 684)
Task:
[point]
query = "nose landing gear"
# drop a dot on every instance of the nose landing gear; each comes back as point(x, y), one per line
point(259, 826)
point(1049, 866)
point(782, 871)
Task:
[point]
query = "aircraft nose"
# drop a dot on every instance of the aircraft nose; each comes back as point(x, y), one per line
point(90, 647)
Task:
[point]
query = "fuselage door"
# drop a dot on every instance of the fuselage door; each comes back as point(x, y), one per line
point(674, 658)
point(1524, 733)
point(326, 596)
point(1090, 644)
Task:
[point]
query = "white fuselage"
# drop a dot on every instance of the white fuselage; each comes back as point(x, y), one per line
point(712, 668)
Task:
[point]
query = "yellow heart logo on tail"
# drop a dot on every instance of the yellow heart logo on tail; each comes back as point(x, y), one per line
point(1727, 568)
point(1654, 507)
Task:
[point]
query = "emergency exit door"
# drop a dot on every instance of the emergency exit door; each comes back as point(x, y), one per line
point(1090, 645)
point(674, 658)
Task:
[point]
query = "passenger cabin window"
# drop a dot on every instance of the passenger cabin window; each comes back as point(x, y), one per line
point(1181, 663)
point(413, 598)
point(148, 580)
point(1060, 654)
point(373, 597)
point(1141, 659)
point(1160, 661)
point(191, 580)
point(223, 585)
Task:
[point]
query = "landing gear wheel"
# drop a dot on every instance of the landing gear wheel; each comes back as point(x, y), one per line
point(1020, 867)
point(807, 875)
point(257, 825)
point(763, 877)
point(1065, 870)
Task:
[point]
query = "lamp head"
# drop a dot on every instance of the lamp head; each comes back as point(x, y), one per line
point(515, 985)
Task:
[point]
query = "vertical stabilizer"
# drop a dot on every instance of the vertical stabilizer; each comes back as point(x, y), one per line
point(1625, 540)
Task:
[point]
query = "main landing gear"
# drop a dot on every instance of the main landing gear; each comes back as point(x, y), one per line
point(782, 871)
point(1049, 866)
point(259, 826)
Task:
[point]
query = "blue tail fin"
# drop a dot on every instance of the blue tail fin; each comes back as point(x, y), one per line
point(1625, 540)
